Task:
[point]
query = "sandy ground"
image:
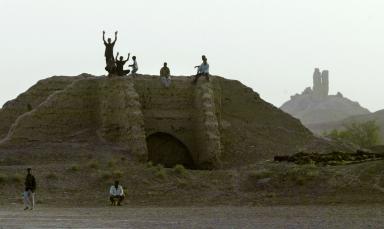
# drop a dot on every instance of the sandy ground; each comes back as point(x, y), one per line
point(190, 217)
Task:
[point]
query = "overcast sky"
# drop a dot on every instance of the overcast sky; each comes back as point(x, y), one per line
point(269, 45)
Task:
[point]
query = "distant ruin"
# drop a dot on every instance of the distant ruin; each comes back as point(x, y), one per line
point(320, 83)
point(316, 105)
point(320, 88)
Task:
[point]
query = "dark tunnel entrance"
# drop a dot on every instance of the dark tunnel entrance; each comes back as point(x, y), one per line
point(167, 150)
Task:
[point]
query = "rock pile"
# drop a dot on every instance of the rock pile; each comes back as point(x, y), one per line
point(333, 158)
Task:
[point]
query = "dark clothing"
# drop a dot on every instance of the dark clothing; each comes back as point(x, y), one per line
point(116, 199)
point(134, 70)
point(109, 49)
point(199, 75)
point(30, 183)
point(120, 68)
point(109, 59)
point(124, 72)
point(165, 72)
point(120, 65)
point(111, 68)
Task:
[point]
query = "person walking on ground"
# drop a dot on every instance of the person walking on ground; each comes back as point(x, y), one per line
point(120, 65)
point(134, 66)
point(116, 194)
point(202, 70)
point(29, 192)
point(165, 75)
point(109, 47)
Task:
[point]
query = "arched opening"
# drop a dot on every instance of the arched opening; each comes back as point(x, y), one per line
point(169, 151)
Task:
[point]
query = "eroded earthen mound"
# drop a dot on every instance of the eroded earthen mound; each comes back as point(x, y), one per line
point(208, 125)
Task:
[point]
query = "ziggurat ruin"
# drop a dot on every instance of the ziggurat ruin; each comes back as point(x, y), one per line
point(210, 125)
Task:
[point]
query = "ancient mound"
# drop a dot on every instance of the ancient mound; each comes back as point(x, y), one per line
point(208, 125)
point(316, 106)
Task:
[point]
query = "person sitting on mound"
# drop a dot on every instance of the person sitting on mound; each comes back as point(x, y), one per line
point(202, 70)
point(165, 75)
point(116, 194)
point(120, 65)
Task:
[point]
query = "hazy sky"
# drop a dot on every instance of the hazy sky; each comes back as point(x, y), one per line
point(270, 45)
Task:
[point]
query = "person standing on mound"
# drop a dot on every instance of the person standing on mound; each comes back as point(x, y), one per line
point(111, 67)
point(109, 48)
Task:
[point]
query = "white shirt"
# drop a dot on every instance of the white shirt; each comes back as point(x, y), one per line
point(116, 192)
point(135, 66)
point(203, 68)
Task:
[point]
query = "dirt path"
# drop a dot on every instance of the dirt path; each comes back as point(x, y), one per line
point(219, 217)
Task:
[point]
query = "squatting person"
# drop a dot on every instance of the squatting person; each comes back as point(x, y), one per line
point(116, 194)
point(120, 65)
point(202, 70)
point(134, 66)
